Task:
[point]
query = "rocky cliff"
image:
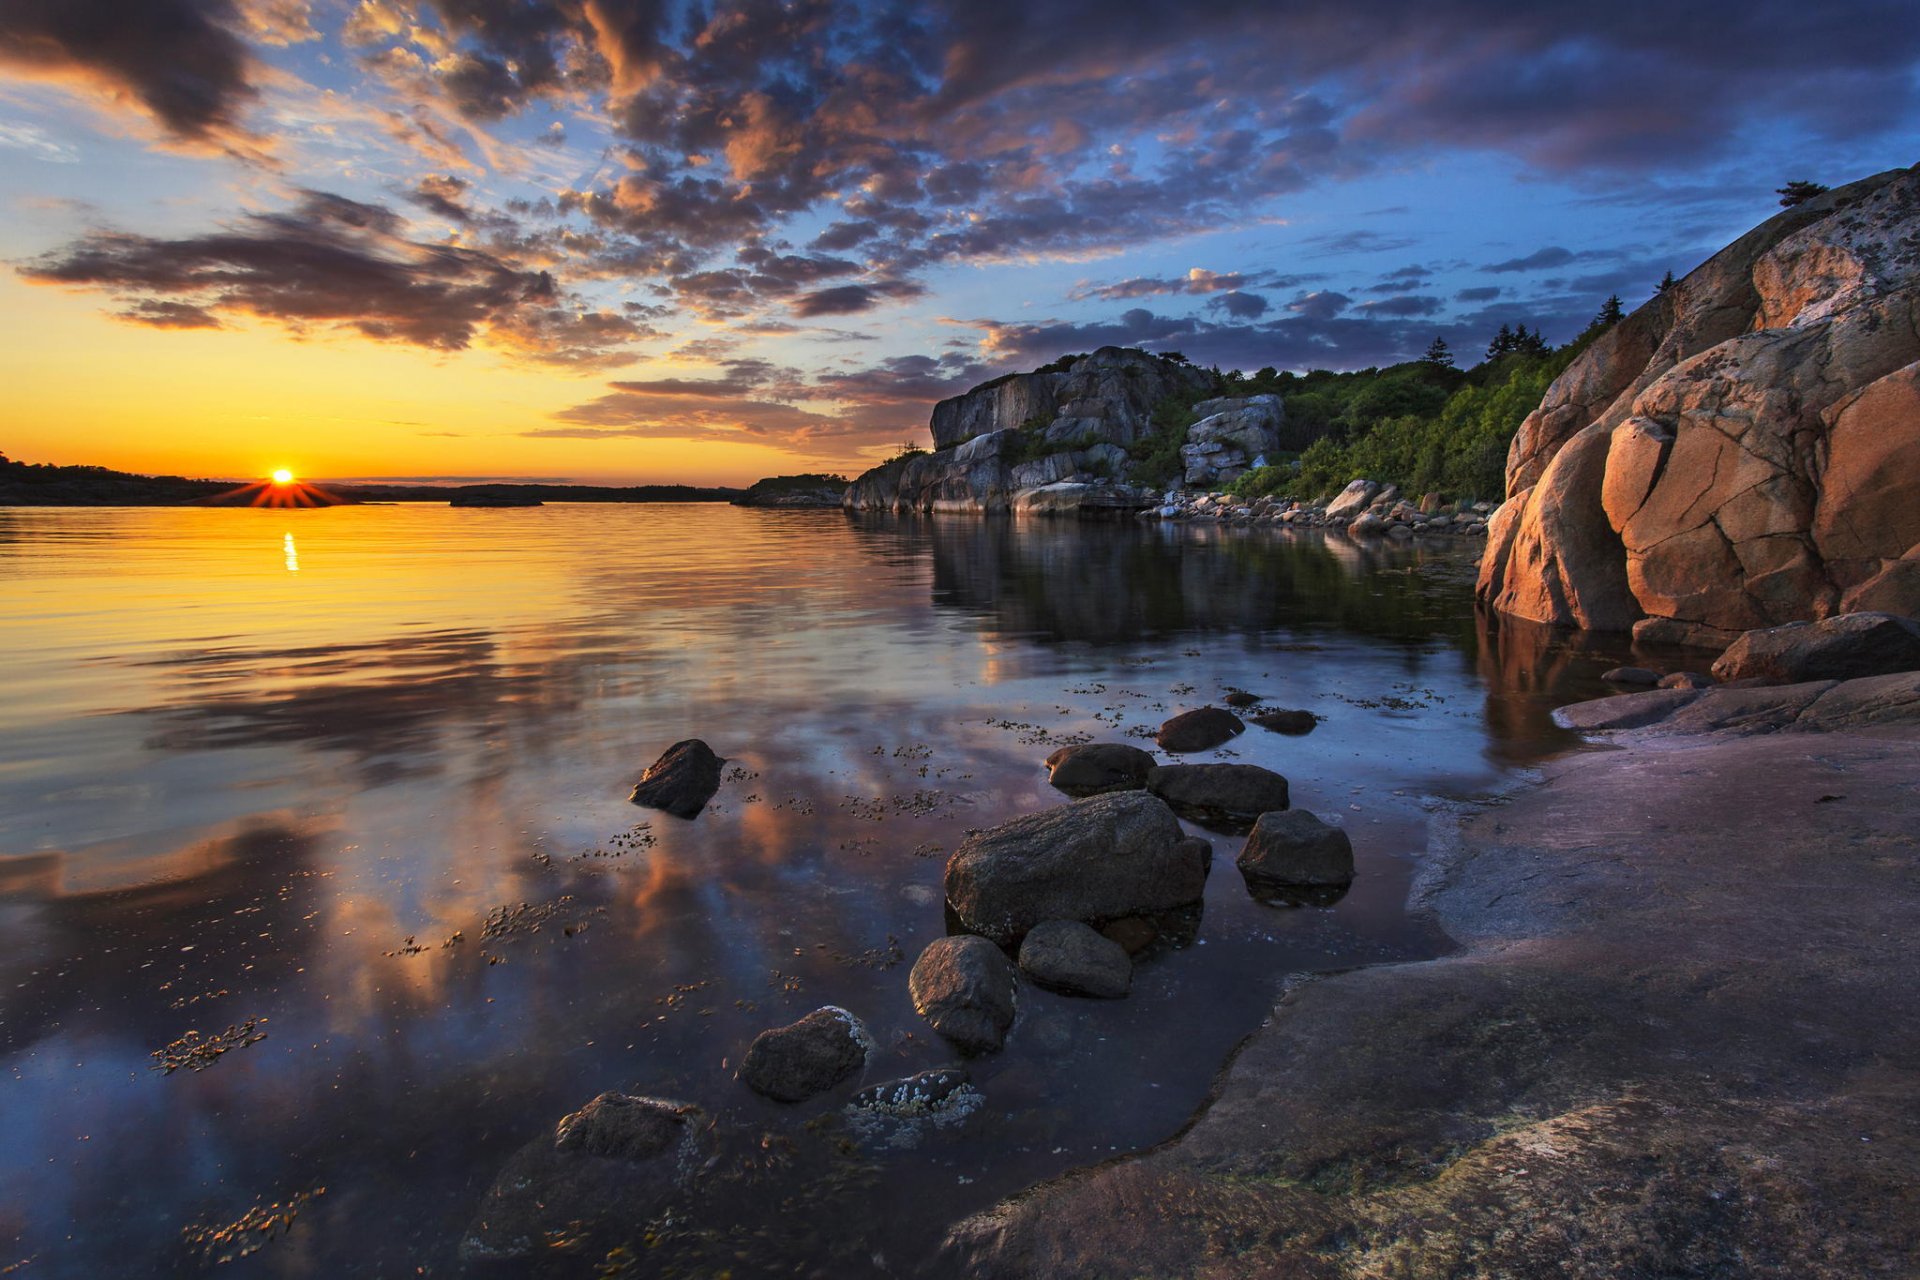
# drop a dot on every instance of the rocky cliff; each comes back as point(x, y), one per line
point(1744, 450)
point(1108, 396)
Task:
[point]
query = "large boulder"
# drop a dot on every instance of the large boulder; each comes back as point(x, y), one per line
point(1839, 648)
point(1094, 860)
point(965, 987)
point(1293, 851)
point(1198, 730)
point(1352, 500)
point(1226, 796)
point(804, 1058)
point(681, 781)
point(1741, 452)
point(1108, 395)
point(1071, 958)
point(1231, 436)
point(1094, 768)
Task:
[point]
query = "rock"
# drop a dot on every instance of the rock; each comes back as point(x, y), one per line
point(1369, 525)
point(797, 1061)
point(617, 1158)
point(1228, 436)
point(1134, 933)
point(1094, 860)
point(1239, 699)
point(1230, 796)
point(1840, 648)
point(1631, 675)
point(1352, 500)
point(1744, 450)
point(1093, 768)
point(624, 1127)
point(1289, 722)
point(965, 987)
point(1686, 680)
point(1110, 393)
point(1069, 957)
point(1293, 850)
point(900, 1113)
point(1198, 730)
point(795, 491)
point(681, 781)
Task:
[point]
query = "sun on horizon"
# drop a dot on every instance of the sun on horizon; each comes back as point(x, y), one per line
point(282, 476)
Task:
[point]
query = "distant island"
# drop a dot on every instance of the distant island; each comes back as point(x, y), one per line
point(26, 484)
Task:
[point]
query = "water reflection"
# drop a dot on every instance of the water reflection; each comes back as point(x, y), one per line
point(380, 803)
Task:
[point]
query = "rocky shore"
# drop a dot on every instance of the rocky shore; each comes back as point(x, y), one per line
point(1679, 1038)
point(1364, 508)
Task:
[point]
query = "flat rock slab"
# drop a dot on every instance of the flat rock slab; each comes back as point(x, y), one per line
point(808, 1057)
point(1199, 730)
point(1847, 647)
point(1224, 796)
point(1095, 768)
point(1069, 957)
point(1814, 706)
point(965, 986)
point(1679, 1040)
point(681, 781)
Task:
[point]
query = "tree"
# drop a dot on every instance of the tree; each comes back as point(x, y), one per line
point(1502, 344)
point(1666, 283)
point(1529, 343)
point(1611, 313)
point(1799, 191)
point(1439, 354)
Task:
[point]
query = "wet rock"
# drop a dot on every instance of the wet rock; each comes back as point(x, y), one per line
point(1685, 680)
point(1094, 768)
point(964, 986)
point(1134, 934)
point(1639, 676)
point(1287, 721)
point(804, 1058)
point(1294, 850)
point(1240, 698)
point(1841, 648)
point(682, 780)
point(619, 1157)
point(1199, 730)
point(1069, 957)
point(1222, 795)
point(900, 1113)
point(1094, 860)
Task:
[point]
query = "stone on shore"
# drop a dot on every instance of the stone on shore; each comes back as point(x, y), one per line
point(1199, 730)
point(1069, 957)
point(623, 1127)
point(1223, 795)
point(1294, 850)
point(1352, 500)
point(1287, 721)
point(964, 985)
point(1640, 676)
point(1841, 648)
point(1686, 680)
point(681, 781)
point(808, 1057)
point(1094, 860)
point(900, 1113)
point(1094, 768)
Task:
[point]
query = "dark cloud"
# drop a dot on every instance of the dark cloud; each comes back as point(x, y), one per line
point(1197, 280)
point(1538, 260)
point(334, 262)
point(850, 299)
point(444, 194)
point(1480, 293)
point(1241, 306)
point(169, 315)
point(1352, 242)
point(1321, 305)
point(1406, 304)
point(180, 62)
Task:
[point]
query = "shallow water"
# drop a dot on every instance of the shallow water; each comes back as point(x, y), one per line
point(285, 767)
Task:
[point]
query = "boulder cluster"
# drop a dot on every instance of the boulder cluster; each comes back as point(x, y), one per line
point(1365, 508)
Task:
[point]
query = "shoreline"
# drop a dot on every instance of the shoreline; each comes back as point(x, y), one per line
point(1680, 1035)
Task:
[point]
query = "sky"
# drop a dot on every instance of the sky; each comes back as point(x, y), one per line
point(652, 241)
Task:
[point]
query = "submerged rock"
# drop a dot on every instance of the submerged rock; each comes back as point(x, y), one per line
point(1219, 795)
point(1199, 729)
point(1287, 721)
point(1843, 648)
point(1638, 676)
point(1095, 768)
point(1069, 957)
point(900, 1113)
point(804, 1058)
point(681, 781)
point(620, 1156)
point(1094, 860)
point(964, 985)
point(1292, 852)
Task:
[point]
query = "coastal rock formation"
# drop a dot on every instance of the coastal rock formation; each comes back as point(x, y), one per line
point(1741, 452)
point(797, 1061)
point(1069, 957)
point(812, 490)
point(681, 781)
point(1109, 394)
point(1093, 768)
point(1841, 648)
point(1231, 436)
point(1225, 796)
point(964, 986)
point(1094, 860)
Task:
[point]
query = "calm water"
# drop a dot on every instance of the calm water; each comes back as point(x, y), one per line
point(262, 766)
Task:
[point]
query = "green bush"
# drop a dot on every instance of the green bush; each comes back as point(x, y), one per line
point(1156, 459)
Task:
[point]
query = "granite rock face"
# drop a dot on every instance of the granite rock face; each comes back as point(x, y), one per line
point(1742, 451)
point(1230, 437)
point(1839, 648)
point(1110, 393)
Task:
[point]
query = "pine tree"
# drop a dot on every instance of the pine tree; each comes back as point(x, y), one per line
point(1799, 192)
point(1611, 312)
point(1666, 283)
point(1439, 354)
point(1502, 343)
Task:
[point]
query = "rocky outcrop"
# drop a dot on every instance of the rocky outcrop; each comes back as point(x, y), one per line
point(1230, 437)
point(681, 781)
point(1108, 395)
point(812, 490)
point(1842, 648)
point(1094, 860)
point(1741, 452)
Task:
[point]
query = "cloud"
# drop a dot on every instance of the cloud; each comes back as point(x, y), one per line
point(1479, 293)
point(850, 299)
point(1241, 306)
point(1198, 280)
point(1406, 304)
point(1323, 304)
point(336, 263)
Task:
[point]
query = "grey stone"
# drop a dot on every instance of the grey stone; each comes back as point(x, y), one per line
point(1069, 957)
point(681, 781)
point(1295, 850)
point(1226, 795)
point(965, 987)
point(1093, 768)
point(1841, 648)
point(797, 1061)
point(1199, 729)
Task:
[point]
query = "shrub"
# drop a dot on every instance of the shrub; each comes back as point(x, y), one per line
point(1156, 458)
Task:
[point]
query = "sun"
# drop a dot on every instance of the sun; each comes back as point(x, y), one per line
point(283, 476)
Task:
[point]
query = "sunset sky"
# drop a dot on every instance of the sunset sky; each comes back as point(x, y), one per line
point(643, 240)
